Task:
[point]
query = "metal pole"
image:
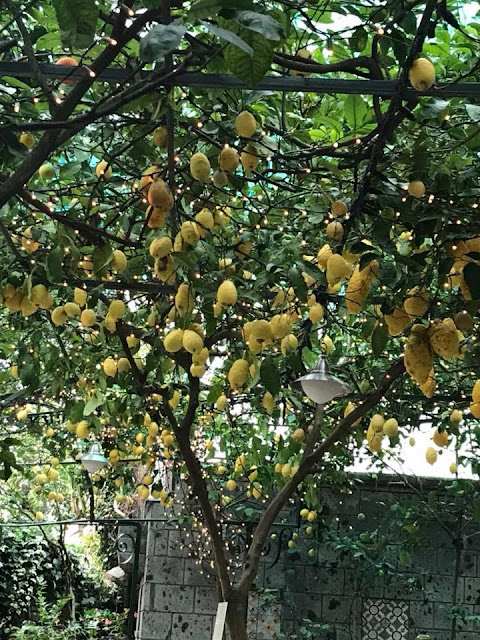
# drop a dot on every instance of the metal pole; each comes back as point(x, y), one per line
point(132, 587)
point(170, 124)
point(91, 496)
point(222, 81)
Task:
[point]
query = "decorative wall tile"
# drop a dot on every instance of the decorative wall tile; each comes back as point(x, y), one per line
point(385, 620)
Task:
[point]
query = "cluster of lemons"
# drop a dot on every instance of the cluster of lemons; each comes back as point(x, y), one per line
point(24, 301)
point(229, 158)
point(377, 429)
point(241, 469)
point(42, 478)
point(440, 337)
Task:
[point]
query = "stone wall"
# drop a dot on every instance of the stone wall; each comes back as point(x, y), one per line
point(324, 593)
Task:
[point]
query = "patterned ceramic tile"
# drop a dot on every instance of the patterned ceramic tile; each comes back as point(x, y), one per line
point(385, 620)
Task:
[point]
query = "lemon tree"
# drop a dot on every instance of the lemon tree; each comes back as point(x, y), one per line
point(175, 255)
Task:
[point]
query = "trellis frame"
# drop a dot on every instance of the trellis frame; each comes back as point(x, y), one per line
point(286, 84)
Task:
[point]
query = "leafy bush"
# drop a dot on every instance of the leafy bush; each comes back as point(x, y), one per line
point(103, 623)
point(47, 625)
point(99, 545)
point(31, 565)
point(93, 624)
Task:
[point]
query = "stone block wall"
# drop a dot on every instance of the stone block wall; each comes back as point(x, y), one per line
point(175, 598)
point(325, 593)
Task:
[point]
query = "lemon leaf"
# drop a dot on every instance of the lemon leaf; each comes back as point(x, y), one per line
point(270, 376)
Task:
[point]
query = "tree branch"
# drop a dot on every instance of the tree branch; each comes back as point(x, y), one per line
point(352, 65)
point(8, 239)
point(6, 45)
point(137, 373)
point(306, 466)
point(52, 139)
point(197, 480)
point(200, 490)
point(390, 121)
point(128, 285)
point(92, 233)
point(28, 47)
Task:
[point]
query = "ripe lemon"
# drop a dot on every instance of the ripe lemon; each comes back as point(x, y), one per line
point(249, 158)
point(334, 230)
point(118, 262)
point(72, 309)
point(58, 316)
point(160, 137)
point(80, 296)
point(221, 402)
point(338, 208)
point(228, 159)
point(123, 365)
point(440, 439)
point(422, 74)
point(143, 491)
point(103, 170)
point(227, 293)
point(298, 435)
point(476, 392)
point(200, 167)
point(416, 188)
point(27, 139)
point(390, 427)
point(110, 367)
point(116, 309)
point(88, 318)
point(46, 171)
point(431, 455)
point(192, 342)
point(245, 124)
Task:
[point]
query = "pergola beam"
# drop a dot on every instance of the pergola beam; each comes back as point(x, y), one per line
point(221, 81)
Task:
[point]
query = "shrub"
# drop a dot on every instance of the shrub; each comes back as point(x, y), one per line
point(31, 565)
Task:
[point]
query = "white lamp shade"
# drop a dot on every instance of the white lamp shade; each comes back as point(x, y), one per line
point(92, 466)
point(320, 386)
point(323, 391)
point(94, 460)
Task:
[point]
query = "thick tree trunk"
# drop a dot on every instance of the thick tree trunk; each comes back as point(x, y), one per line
point(237, 615)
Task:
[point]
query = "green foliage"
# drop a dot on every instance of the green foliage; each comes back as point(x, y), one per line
point(77, 22)
point(250, 67)
point(309, 630)
point(47, 625)
point(210, 8)
point(160, 41)
point(229, 36)
point(37, 572)
point(261, 23)
point(92, 543)
point(266, 228)
point(92, 624)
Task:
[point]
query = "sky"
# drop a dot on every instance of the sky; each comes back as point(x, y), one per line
point(414, 457)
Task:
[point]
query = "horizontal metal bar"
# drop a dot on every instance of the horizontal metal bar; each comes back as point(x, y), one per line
point(223, 81)
point(118, 285)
